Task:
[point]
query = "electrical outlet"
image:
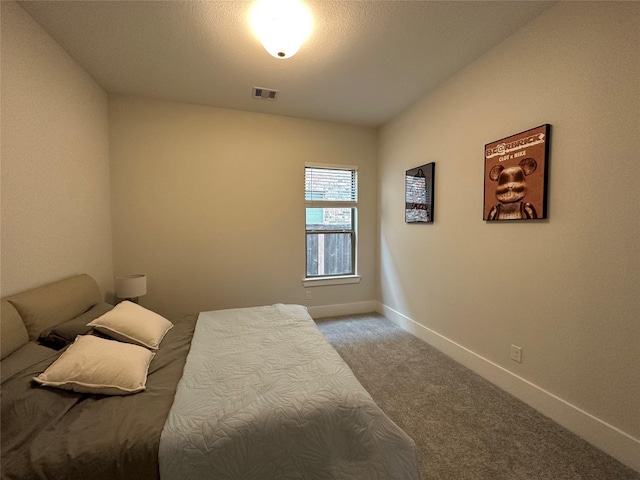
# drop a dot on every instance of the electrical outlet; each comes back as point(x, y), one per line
point(308, 293)
point(516, 353)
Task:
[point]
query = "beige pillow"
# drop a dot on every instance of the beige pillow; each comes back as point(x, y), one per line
point(98, 365)
point(131, 323)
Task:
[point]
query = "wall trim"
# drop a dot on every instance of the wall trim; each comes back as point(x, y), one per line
point(599, 433)
point(343, 309)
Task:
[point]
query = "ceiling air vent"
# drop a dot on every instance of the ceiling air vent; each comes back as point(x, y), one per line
point(264, 93)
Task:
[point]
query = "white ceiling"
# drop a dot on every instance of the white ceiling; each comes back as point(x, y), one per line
point(364, 63)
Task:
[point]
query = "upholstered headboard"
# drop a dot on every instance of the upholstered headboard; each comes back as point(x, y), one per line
point(26, 314)
point(13, 334)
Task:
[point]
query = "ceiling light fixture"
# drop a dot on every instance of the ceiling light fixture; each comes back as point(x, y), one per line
point(281, 25)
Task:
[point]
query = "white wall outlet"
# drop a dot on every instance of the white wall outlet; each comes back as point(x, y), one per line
point(308, 293)
point(516, 353)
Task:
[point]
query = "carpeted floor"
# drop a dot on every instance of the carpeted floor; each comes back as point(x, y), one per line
point(464, 426)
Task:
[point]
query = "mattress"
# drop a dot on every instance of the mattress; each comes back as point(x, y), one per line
point(251, 393)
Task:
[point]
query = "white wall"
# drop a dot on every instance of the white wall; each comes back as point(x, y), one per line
point(210, 204)
point(56, 212)
point(565, 289)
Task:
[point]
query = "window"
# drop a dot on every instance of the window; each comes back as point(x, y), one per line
point(331, 194)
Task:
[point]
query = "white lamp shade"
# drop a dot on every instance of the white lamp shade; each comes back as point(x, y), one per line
point(281, 25)
point(131, 286)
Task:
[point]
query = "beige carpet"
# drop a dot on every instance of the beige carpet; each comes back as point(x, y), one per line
point(464, 426)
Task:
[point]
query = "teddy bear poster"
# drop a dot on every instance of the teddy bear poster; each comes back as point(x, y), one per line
point(515, 176)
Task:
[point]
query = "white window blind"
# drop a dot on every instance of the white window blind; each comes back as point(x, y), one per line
point(331, 187)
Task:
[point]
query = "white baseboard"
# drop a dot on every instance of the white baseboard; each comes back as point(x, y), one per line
point(343, 309)
point(607, 438)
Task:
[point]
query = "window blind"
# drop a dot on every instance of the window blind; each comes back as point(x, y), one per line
point(330, 187)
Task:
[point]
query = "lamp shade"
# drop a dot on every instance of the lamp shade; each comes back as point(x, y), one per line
point(281, 25)
point(131, 286)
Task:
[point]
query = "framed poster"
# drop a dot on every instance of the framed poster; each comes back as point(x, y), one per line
point(418, 203)
point(515, 176)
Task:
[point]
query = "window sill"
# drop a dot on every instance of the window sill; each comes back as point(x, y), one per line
point(323, 281)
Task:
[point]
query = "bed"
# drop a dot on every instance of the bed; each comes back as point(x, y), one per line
point(248, 393)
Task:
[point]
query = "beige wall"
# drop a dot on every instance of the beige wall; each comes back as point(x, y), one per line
point(565, 289)
point(210, 203)
point(56, 217)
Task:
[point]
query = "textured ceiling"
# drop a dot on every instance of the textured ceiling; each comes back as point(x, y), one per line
point(364, 62)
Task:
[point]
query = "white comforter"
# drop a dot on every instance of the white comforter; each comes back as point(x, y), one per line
point(265, 396)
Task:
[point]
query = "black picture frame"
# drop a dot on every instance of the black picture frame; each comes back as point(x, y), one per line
point(516, 170)
point(419, 194)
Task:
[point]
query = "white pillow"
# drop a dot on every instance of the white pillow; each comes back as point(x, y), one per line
point(97, 365)
point(131, 323)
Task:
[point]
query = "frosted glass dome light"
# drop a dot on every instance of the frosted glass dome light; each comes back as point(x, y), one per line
point(281, 25)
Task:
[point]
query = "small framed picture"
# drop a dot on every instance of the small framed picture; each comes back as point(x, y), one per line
point(515, 176)
point(418, 207)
